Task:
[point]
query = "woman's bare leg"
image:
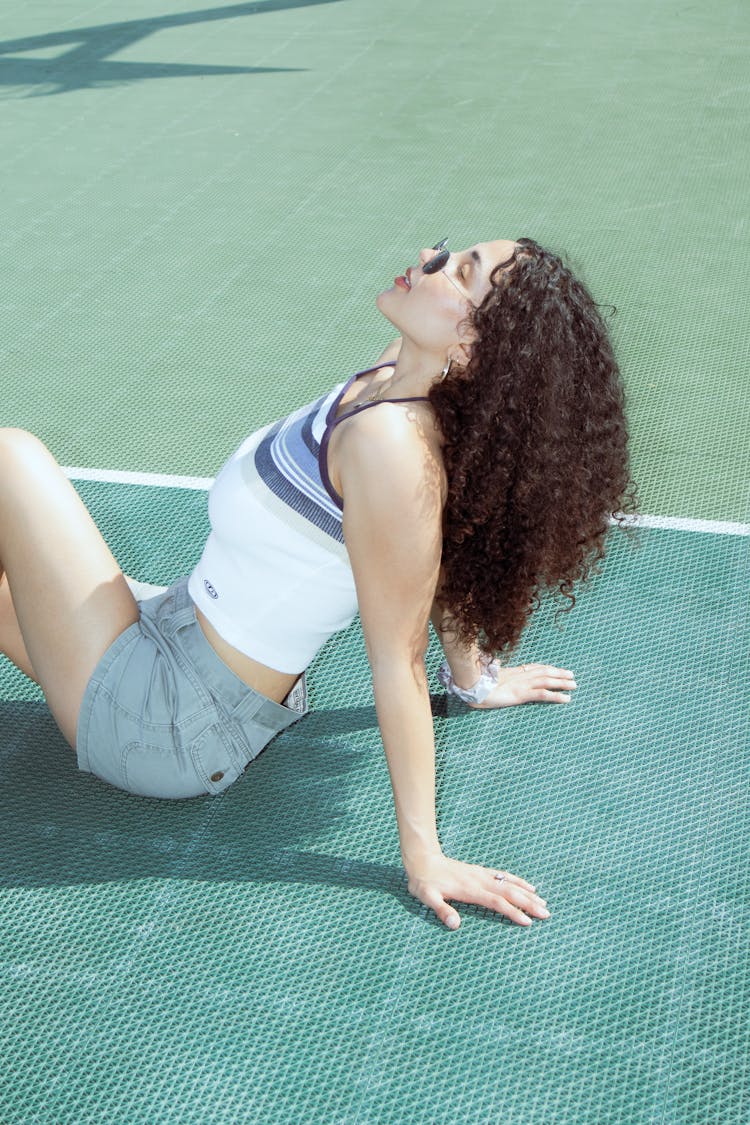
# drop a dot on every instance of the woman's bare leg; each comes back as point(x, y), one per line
point(11, 638)
point(70, 597)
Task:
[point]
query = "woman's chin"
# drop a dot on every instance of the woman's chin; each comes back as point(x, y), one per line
point(387, 305)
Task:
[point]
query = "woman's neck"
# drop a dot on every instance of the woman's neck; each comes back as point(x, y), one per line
point(415, 372)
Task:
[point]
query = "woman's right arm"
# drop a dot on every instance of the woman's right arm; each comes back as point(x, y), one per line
point(392, 518)
point(531, 683)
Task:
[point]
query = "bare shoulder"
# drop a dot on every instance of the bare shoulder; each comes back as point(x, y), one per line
point(396, 444)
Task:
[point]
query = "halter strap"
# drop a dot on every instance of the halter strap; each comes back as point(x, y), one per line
point(332, 422)
point(358, 407)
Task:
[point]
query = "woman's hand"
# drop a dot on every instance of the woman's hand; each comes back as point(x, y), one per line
point(531, 683)
point(435, 878)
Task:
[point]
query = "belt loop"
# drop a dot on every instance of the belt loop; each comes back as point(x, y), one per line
point(266, 712)
point(184, 610)
point(178, 620)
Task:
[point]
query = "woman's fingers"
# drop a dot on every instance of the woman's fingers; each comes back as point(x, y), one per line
point(516, 892)
point(502, 905)
point(554, 679)
point(439, 879)
point(499, 903)
point(507, 877)
point(542, 695)
point(447, 915)
point(530, 683)
point(521, 899)
point(513, 899)
point(550, 669)
point(550, 677)
point(548, 684)
point(514, 902)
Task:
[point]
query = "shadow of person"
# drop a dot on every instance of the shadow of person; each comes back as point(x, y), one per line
point(88, 62)
point(62, 827)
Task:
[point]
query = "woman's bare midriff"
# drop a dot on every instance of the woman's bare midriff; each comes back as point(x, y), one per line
point(268, 681)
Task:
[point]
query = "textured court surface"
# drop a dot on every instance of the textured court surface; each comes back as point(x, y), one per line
point(200, 207)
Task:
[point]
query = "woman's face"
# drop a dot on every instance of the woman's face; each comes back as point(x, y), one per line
point(428, 308)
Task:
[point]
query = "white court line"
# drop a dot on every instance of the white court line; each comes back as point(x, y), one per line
point(203, 484)
point(156, 480)
point(682, 523)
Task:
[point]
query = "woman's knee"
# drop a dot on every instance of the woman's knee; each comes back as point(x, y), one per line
point(21, 451)
point(19, 444)
point(30, 482)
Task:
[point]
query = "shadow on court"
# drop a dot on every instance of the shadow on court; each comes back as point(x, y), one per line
point(88, 62)
point(65, 828)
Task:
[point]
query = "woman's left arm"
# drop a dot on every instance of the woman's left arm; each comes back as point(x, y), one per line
point(530, 683)
point(391, 484)
point(392, 513)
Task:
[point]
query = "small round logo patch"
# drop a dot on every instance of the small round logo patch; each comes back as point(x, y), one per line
point(210, 589)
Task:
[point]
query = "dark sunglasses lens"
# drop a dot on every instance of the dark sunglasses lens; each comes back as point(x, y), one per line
point(436, 263)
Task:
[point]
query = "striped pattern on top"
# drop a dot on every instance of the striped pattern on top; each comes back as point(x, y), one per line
point(287, 461)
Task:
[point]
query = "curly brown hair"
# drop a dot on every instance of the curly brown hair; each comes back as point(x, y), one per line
point(535, 450)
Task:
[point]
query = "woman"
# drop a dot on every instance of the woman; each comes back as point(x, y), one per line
point(488, 472)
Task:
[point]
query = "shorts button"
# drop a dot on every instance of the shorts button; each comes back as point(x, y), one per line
point(217, 776)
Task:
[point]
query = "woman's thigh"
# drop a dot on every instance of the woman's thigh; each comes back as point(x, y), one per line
point(70, 596)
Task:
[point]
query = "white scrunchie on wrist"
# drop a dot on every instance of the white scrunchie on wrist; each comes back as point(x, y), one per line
point(480, 690)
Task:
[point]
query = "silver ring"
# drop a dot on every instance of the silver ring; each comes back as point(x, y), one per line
point(500, 878)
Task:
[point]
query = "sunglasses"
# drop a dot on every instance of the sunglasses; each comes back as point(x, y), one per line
point(440, 261)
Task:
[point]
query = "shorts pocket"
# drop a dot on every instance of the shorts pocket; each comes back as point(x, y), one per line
point(214, 759)
point(149, 770)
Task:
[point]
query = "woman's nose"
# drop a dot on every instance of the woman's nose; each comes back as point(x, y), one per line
point(434, 259)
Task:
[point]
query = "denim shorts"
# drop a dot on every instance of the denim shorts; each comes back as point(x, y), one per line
point(164, 716)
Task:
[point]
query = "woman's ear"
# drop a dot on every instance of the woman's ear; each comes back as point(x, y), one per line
point(461, 354)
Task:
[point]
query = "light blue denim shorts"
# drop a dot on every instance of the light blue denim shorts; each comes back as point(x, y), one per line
point(163, 715)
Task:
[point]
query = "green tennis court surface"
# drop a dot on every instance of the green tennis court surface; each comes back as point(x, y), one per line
point(199, 209)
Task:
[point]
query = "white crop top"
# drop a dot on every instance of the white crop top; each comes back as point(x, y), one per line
point(275, 579)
